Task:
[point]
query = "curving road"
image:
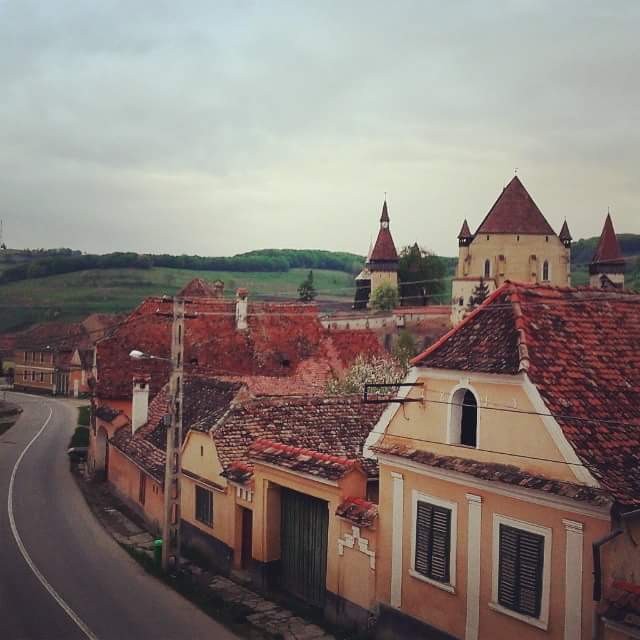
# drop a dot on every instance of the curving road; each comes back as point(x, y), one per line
point(106, 593)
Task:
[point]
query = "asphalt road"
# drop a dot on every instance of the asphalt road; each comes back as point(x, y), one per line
point(107, 594)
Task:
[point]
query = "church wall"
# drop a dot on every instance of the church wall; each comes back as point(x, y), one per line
point(378, 277)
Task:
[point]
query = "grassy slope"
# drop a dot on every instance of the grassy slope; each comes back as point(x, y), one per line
point(74, 295)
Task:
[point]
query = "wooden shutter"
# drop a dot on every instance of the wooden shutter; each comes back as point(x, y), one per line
point(433, 541)
point(521, 563)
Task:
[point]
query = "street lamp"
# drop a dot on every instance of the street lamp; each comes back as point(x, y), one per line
point(173, 462)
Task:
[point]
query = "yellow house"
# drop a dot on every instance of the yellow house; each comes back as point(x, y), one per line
point(513, 242)
point(503, 479)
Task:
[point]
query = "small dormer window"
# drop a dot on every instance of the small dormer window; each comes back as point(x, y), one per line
point(487, 268)
point(463, 425)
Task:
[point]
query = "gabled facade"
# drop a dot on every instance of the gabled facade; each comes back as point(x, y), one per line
point(513, 242)
point(516, 460)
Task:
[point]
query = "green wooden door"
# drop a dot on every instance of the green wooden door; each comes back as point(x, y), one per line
point(303, 539)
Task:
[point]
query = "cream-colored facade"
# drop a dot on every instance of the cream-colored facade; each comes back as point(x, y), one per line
point(382, 277)
point(466, 606)
point(499, 257)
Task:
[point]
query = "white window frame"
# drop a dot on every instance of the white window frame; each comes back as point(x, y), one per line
point(541, 622)
point(454, 414)
point(417, 496)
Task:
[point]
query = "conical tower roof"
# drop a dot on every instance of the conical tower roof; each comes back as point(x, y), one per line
point(384, 217)
point(608, 249)
point(565, 235)
point(515, 212)
point(384, 250)
point(465, 232)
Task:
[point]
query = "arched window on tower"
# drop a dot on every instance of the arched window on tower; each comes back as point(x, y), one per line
point(463, 426)
point(487, 268)
point(545, 271)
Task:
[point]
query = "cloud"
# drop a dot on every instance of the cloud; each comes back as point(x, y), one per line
point(215, 128)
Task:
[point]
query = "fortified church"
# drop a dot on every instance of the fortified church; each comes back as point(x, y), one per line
point(513, 242)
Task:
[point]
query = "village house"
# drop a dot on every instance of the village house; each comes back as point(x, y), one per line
point(274, 490)
point(57, 357)
point(509, 478)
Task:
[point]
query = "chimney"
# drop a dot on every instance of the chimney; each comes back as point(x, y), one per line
point(242, 305)
point(140, 402)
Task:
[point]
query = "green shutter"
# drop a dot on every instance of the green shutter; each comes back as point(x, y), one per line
point(433, 541)
point(521, 564)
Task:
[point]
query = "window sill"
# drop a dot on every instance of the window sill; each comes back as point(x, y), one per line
point(206, 524)
point(445, 586)
point(535, 622)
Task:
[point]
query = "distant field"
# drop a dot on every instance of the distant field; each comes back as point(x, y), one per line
point(74, 295)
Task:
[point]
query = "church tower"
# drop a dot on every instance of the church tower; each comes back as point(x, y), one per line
point(513, 242)
point(381, 266)
point(607, 266)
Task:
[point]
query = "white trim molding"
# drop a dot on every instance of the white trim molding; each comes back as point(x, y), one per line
point(474, 538)
point(533, 496)
point(573, 580)
point(387, 415)
point(396, 539)
point(473, 377)
point(542, 622)
point(417, 496)
point(354, 541)
point(581, 473)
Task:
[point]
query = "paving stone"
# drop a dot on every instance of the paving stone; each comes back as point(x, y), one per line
point(265, 605)
point(310, 632)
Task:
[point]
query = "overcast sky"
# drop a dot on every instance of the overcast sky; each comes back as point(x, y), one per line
point(214, 128)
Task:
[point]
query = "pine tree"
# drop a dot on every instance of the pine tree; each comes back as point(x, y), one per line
point(306, 290)
point(478, 295)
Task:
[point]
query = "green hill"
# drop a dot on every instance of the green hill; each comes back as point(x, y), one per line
point(71, 296)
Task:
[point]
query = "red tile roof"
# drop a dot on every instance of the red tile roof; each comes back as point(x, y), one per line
point(199, 288)
point(495, 472)
point(358, 511)
point(608, 249)
point(301, 460)
point(285, 349)
point(205, 402)
point(580, 348)
point(384, 250)
point(515, 212)
point(337, 426)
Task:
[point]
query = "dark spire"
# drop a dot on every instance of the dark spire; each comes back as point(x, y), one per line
point(385, 214)
point(465, 232)
point(608, 249)
point(565, 235)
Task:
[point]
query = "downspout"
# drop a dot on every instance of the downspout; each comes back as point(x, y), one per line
point(597, 575)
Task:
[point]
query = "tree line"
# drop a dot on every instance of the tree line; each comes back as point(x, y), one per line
point(267, 260)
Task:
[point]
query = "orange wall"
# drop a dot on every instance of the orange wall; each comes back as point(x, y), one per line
point(124, 476)
point(445, 610)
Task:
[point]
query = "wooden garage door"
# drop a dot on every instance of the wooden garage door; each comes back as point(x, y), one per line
point(303, 539)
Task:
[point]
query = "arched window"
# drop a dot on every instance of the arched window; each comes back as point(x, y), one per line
point(487, 269)
point(545, 271)
point(463, 427)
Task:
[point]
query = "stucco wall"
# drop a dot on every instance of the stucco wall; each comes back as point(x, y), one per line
point(124, 477)
point(447, 611)
point(522, 437)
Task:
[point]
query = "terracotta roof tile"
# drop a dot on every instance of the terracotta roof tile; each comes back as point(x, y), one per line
point(580, 348)
point(495, 472)
point(465, 232)
point(358, 511)
point(285, 344)
point(384, 250)
point(515, 212)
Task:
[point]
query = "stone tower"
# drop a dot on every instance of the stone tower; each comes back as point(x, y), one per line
point(381, 265)
point(513, 242)
point(607, 266)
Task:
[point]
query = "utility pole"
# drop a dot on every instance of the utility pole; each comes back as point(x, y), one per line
point(173, 464)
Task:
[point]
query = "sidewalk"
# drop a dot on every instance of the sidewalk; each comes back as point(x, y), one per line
point(258, 617)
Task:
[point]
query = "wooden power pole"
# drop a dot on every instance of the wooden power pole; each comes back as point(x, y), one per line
point(173, 464)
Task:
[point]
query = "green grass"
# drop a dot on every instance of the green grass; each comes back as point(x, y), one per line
point(74, 295)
